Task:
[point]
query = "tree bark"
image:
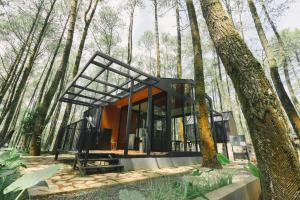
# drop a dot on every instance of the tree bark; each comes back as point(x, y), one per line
point(158, 64)
point(179, 64)
point(261, 107)
point(207, 145)
point(283, 96)
point(284, 57)
point(39, 124)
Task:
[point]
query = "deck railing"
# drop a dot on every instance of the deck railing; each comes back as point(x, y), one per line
point(77, 137)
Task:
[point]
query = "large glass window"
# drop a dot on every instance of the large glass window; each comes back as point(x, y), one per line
point(177, 124)
point(184, 89)
point(159, 138)
point(190, 126)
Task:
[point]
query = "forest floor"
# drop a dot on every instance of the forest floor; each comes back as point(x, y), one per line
point(68, 184)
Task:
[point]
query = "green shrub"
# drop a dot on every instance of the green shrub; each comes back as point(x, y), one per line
point(223, 160)
point(28, 121)
point(196, 172)
point(197, 184)
point(253, 169)
point(209, 180)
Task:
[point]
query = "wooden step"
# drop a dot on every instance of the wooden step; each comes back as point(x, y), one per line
point(102, 168)
point(107, 160)
point(97, 155)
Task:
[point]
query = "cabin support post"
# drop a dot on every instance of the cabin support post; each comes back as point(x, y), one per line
point(128, 123)
point(169, 121)
point(184, 122)
point(149, 121)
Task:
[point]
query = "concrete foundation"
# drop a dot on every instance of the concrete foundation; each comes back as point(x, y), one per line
point(247, 189)
point(157, 163)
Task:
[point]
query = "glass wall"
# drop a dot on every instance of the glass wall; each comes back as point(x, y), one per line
point(137, 134)
point(173, 123)
point(159, 136)
point(177, 124)
point(184, 132)
point(190, 129)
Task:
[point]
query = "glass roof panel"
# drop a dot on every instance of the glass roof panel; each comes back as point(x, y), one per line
point(103, 80)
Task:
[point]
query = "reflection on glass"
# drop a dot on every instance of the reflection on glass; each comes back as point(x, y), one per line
point(191, 134)
point(177, 129)
point(184, 89)
point(159, 139)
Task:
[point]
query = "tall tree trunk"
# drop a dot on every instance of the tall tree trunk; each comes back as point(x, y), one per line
point(284, 57)
point(43, 87)
point(240, 115)
point(283, 96)
point(19, 56)
point(178, 58)
point(26, 72)
point(207, 145)
point(16, 115)
point(50, 138)
point(294, 71)
point(14, 84)
point(54, 102)
point(218, 88)
point(261, 107)
point(18, 133)
point(35, 146)
point(158, 64)
point(219, 76)
point(88, 16)
point(129, 43)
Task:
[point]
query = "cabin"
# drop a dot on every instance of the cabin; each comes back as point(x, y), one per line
point(130, 114)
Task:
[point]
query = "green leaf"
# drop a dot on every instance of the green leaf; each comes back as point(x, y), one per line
point(4, 173)
point(13, 165)
point(31, 179)
point(223, 160)
point(13, 157)
point(3, 156)
point(196, 173)
point(253, 169)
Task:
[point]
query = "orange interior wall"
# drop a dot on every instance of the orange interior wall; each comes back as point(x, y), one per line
point(133, 127)
point(137, 96)
point(110, 119)
point(111, 115)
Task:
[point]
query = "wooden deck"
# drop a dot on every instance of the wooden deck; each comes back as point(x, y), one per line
point(130, 152)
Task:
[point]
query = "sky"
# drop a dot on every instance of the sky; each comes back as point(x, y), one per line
point(144, 20)
point(291, 18)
